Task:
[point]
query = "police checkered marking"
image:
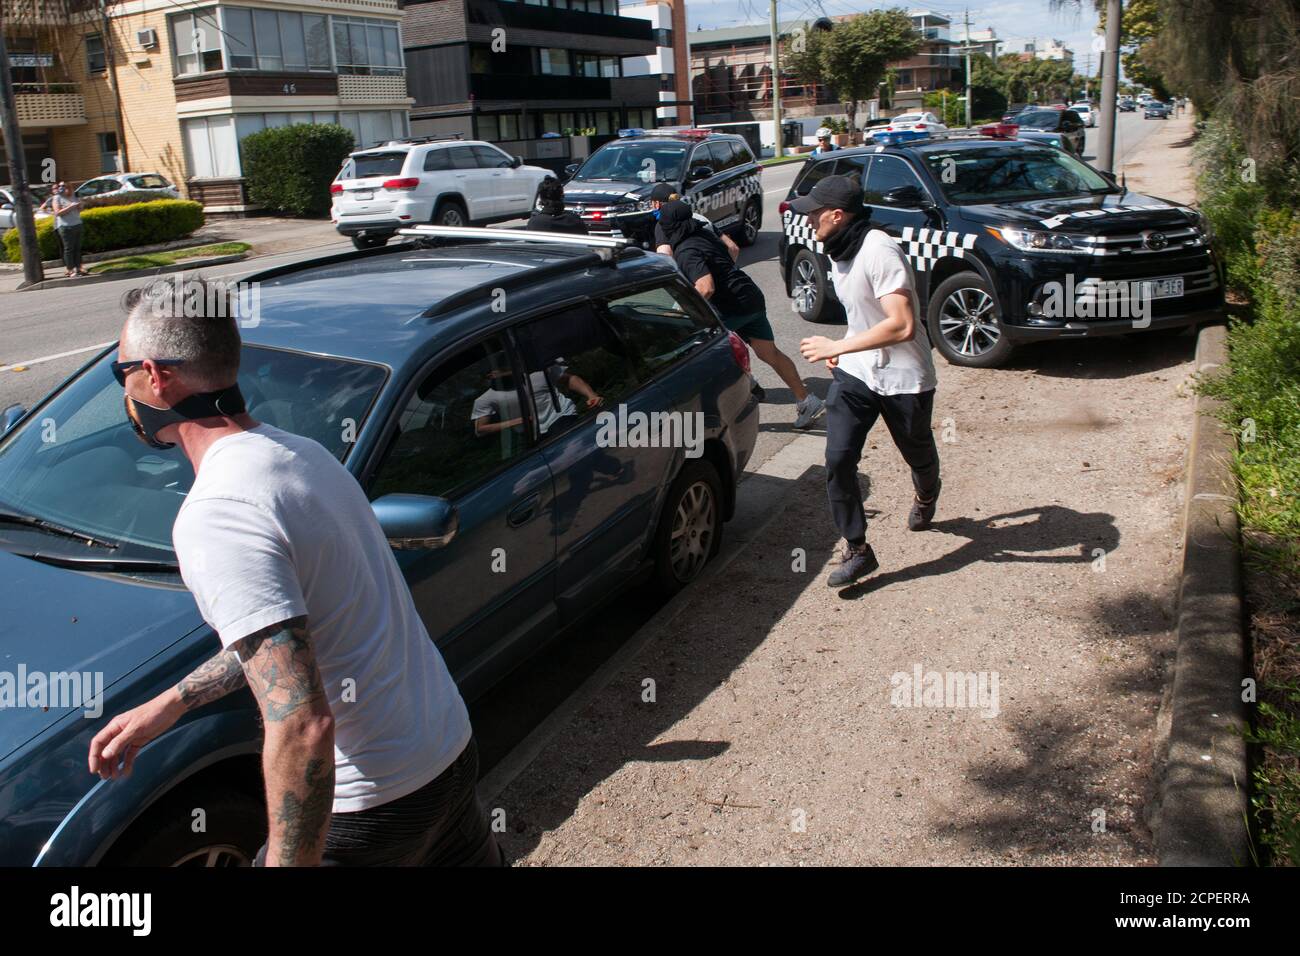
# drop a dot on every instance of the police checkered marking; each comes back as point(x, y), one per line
point(736, 192)
point(925, 247)
point(799, 231)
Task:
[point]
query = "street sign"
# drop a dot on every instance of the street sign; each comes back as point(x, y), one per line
point(31, 59)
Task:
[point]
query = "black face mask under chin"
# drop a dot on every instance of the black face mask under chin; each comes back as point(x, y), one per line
point(147, 421)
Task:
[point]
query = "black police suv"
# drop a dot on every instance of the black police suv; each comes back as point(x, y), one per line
point(714, 172)
point(1013, 242)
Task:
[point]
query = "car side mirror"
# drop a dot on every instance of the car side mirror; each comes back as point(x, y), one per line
point(571, 170)
point(10, 417)
point(416, 522)
point(699, 172)
point(906, 197)
point(515, 162)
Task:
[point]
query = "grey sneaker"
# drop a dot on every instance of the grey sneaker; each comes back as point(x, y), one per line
point(922, 512)
point(855, 562)
point(808, 410)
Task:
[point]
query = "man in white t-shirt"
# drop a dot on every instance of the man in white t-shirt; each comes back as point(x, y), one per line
point(368, 754)
point(497, 409)
point(881, 368)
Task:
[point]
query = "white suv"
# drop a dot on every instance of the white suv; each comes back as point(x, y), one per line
point(1086, 112)
point(448, 182)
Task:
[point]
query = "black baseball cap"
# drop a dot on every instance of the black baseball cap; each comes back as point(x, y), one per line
point(663, 192)
point(833, 192)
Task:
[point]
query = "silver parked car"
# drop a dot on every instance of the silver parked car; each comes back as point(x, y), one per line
point(9, 216)
point(121, 183)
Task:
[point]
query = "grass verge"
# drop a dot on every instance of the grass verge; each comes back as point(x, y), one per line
point(152, 260)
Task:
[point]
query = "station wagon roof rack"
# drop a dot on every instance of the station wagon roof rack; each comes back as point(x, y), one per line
point(607, 247)
point(416, 140)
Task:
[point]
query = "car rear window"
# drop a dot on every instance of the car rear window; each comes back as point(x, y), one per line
point(149, 182)
point(366, 165)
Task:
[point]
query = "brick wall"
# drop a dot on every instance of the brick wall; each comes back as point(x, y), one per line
point(432, 22)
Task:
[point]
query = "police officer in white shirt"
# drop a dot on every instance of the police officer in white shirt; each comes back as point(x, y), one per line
point(881, 368)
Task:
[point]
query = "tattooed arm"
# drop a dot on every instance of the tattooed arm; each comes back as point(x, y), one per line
point(298, 752)
point(113, 751)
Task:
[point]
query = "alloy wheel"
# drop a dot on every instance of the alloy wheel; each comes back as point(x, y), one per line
point(968, 322)
point(694, 525)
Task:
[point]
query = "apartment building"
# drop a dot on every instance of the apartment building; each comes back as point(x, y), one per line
point(155, 85)
point(670, 61)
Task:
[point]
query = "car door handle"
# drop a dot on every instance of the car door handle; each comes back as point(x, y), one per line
point(523, 512)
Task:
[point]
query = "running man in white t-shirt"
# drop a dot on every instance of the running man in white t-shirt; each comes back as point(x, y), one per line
point(368, 754)
point(881, 368)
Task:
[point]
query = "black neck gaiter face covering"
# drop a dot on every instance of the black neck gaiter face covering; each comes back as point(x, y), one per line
point(846, 243)
point(147, 421)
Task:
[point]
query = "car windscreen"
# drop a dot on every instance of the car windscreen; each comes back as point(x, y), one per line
point(366, 165)
point(1041, 119)
point(1010, 172)
point(634, 163)
point(77, 463)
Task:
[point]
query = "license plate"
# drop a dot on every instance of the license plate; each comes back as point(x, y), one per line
point(1171, 288)
point(363, 194)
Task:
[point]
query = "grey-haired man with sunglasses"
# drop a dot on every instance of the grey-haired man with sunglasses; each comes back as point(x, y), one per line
point(368, 755)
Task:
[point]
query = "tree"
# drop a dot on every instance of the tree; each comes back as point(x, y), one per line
point(852, 58)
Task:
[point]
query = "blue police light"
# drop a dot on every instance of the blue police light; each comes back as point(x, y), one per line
point(630, 133)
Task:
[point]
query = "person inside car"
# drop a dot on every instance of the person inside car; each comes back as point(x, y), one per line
point(704, 260)
point(550, 216)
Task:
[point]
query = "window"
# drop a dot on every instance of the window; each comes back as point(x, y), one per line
point(196, 43)
point(211, 146)
point(553, 62)
point(266, 31)
point(318, 42)
point(888, 172)
point(662, 37)
point(489, 158)
point(611, 66)
point(576, 363)
point(150, 181)
point(239, 37)
point(813, 176)
point(855, 166)
point(108, 153)
point(437, 160)
point(508, 126)
point(379, 164)
point(96, 62)
point(367, 47)
point(464, 421)
point(658, 328)
point(462, 157)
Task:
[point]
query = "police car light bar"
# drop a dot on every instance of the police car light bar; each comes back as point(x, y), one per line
point(515, 235)
point(684, 132)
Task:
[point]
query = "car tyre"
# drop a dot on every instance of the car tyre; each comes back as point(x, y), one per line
point(751, 221)
point(690, 526)
point(809, 289)
point(371, 242)
point(235, 829)
point(965, 322)
point(450, 212)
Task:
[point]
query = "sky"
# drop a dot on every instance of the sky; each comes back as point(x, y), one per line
point(1009, 18)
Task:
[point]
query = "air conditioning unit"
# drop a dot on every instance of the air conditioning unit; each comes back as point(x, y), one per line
point(147, 38)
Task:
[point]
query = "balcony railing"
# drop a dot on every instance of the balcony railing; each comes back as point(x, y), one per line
point(517, 86)
point(527, 17)
point(49, 104)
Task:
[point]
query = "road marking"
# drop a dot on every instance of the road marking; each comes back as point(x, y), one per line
point(51, 358)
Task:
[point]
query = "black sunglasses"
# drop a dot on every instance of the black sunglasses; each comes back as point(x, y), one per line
point(121, 369)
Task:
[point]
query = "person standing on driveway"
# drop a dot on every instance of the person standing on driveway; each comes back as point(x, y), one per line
point(368, 754)
point(67, 226)
point(881, 368)
point(704, 260)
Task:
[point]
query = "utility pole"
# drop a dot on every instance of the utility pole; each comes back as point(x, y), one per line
point(24, 220)
point(968, 67)
point(1109, 87)
point(776, 85)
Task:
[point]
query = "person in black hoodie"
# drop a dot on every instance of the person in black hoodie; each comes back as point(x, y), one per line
point(550, 215)
point(705, 261)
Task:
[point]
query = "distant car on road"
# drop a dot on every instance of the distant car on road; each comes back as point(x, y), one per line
point(8, 212)
point(1126, 106)
point(1156, 110)
point(1086, 112)
point(592, 435)
point(443, 181)
point(911, 126)
point(1063, 128)
point(151, 185)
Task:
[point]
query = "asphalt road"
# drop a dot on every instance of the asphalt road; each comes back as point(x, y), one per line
point(51, 333)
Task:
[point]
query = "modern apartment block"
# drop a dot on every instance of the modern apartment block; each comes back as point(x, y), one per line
point(935, 66)
point(527, 75)
point(1039, 48)
point(161, 86)
point(670, 62)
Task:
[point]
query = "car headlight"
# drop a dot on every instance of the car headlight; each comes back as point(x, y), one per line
point(1036, 240)
point(645, 205)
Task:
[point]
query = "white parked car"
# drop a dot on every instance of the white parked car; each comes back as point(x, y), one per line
point(120, 183)
point(912, 126)
point(9, 216)
point(1086, 112)
point(447, 182)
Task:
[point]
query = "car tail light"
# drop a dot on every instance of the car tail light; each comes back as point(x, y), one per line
point(739, 351)
point(782, 208)
point(336, 187)
point(404, 183)
point(920, 126)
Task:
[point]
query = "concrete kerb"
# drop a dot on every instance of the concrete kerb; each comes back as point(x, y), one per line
point(1204, 804)
point(190, 264)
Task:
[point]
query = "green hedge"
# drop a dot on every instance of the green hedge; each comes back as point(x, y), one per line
point(118, 227)
point(289, 169)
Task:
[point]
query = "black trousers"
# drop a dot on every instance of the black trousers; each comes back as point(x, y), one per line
point(851, 409)
point(441, 824)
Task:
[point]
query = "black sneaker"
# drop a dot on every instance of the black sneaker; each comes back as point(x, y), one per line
point(855, 562)
point(922, 512)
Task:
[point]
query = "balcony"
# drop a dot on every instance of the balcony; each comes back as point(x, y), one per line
point(49, 104)
point(547, 26)
point(517, 86)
